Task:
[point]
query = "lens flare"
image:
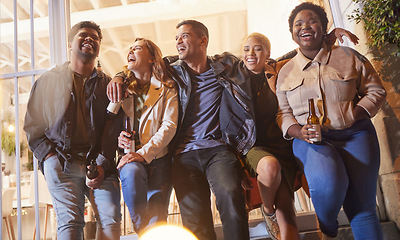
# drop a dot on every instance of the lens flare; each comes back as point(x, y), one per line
point(11, 128)
point(168, 232)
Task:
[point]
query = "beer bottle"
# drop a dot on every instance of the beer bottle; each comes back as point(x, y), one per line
point(113, 108)
point(313, 120)
point(129, 129)
point(92, 172)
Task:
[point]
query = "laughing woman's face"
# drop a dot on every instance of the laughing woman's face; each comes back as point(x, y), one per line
point(307, 31)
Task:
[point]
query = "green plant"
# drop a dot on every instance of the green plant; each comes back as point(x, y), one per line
point(7, 141)
point(381, 22)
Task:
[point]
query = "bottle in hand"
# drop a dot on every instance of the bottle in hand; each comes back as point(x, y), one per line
point(313, 120)
point(92, 171)
point(113, 108)
point(129, 129)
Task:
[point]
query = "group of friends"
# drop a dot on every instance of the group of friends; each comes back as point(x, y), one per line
point(194, 115)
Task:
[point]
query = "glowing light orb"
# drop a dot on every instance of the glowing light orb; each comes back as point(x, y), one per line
point(168, 232)
point(11, 128)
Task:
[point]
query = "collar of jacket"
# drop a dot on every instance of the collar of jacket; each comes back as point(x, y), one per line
point(217, 67)
point(322, 57)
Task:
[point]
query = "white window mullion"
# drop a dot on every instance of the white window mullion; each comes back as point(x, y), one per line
point(57, 28)
point(17, 143)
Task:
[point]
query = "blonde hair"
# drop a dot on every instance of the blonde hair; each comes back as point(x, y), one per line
point(261, 37)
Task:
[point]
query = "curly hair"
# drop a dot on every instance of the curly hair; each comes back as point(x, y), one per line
point(309, 6)
point(84, 24)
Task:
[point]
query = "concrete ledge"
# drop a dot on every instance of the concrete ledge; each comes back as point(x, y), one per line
point(258, 232)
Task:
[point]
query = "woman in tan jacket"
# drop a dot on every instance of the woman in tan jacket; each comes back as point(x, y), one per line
point(151, 107)
point(342, 169)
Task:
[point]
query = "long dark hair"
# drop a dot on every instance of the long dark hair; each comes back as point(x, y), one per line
point(159, 68)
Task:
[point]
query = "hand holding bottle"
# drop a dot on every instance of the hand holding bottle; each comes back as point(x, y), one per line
point(97, 181)
point(310, 132)
point(313, 126)
point(125, 142)
point(116, 91)
point(92, 171)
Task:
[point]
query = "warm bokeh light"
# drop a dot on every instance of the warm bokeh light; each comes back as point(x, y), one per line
point(168, 232)
point(11, 128)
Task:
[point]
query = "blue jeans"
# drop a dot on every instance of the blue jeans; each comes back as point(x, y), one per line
point(146, 190)
point(68, 191)
point(193, 173)
point(343, 170)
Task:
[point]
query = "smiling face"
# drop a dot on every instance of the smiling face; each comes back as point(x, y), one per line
point(189, 45)
point(254, 55)
point(85, 44)
point(139, 57)
point(308, 33)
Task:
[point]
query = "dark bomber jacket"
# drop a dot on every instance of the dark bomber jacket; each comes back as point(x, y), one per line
point(50, 113)
point(237, 117)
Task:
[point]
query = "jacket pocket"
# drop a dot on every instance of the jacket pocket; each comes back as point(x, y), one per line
point(344, 84)
point(291, 85)
point(293, 90)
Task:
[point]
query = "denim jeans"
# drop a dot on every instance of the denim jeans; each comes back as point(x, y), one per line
point(343, 170)
point(146, 190)
point(68, 191)
point(193, 173)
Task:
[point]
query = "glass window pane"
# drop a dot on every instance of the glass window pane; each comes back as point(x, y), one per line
point(41, 42)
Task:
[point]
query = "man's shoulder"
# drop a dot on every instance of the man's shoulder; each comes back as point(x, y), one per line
point(53, 75)
point(172, 60)
point(225, 58)
point(55, 70)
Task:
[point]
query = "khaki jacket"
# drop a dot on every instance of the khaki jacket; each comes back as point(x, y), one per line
point(158, 122)
point(338, 79)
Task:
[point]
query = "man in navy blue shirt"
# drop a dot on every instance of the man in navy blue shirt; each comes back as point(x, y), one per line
point(216, 122)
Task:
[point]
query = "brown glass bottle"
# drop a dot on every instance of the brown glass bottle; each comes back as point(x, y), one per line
point(129, 129)
point(313, 120)
point(92, 172)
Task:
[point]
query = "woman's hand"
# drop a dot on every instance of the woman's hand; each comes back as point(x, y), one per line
point(114, 89)
point(130, 157)
point(123, 140)
point(339, 33)
point(302, 133)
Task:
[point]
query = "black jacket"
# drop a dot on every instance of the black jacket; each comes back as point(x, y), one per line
point(237, 118)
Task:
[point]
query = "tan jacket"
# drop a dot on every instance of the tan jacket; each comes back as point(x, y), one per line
point(337, 79)
point(158, 121)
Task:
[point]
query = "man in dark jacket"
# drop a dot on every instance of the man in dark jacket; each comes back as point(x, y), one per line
point(67, 127)
point(217, 118)
point(216, 122)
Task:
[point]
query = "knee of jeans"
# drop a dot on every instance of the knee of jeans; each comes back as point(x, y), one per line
point(111, 223)
point(132, 170)
point(64, 224)
point(228, 192)
point(327, 182)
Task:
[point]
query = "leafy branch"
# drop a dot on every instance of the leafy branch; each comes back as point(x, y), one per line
point(381, 22)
